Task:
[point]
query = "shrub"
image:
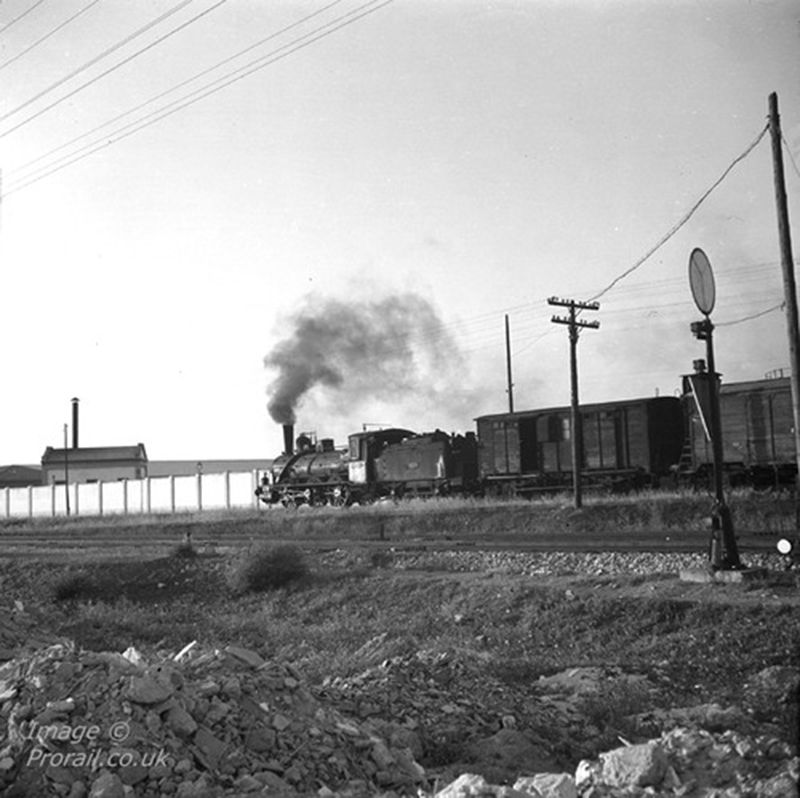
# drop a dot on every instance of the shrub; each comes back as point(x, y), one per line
point(184, 550)
point(267, 568)
point(72, 587)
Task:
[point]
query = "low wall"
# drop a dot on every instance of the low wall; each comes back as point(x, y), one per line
point(170, 494)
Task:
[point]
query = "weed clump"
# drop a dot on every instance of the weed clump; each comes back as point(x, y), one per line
point(267, 568)
point(184, 551)
point(73, 587)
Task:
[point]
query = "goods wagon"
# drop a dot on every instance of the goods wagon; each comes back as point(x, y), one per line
point(625, 444)
point(757, 432)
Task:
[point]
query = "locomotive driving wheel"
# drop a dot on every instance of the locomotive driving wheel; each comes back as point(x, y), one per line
point(340, 496)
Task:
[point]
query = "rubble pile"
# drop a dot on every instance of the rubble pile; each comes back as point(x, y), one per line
point(683, 763)
point(206, 722)
point(200, 723)
point(451, 703)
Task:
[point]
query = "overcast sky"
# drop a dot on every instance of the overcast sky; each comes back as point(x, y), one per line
point(368, 198)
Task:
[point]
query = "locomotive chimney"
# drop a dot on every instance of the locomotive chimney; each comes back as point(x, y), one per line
point(75, 401)
point(288, 439)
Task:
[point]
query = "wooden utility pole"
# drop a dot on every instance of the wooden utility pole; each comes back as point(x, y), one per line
point(508, 369)
point(66, 471)
point(576, 437)
point(787, 264)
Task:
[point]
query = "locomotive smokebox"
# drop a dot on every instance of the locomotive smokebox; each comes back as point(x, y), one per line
point(288, 438)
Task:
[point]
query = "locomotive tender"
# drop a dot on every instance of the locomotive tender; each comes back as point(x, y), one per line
point(626, 445)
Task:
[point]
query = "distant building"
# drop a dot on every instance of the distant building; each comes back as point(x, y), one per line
point(183, 468)
point(19, 476)
point(95, 464)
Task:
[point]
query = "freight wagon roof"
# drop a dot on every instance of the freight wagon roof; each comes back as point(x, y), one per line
point(775, 384)
point(595, 407)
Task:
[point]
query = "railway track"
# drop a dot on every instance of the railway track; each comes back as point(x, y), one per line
point(154, 541)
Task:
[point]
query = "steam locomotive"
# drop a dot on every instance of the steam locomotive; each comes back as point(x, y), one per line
point(376, 464)
point(624, 445)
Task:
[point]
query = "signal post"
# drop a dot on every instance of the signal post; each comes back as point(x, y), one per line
point(724, 553)
point(575, 325)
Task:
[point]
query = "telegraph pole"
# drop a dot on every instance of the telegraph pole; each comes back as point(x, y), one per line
point(508, 369)
point(66, 470)
point(787, 265)
point(575, 325)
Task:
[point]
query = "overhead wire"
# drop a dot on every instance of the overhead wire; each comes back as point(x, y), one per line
point(21, 16)
point(75, 72)
point(234, 76)
point(117, 66)
point(789, 153)
point(684, 219)
point(173, 89)
point(779, 306)
point(48, 35)
point(199, 94)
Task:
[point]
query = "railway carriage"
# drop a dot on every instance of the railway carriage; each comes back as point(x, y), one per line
point(757, 432)
point(626, 444)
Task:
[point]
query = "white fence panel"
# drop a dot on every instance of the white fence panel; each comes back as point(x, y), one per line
point(17, 501)
point(42, 500)
point(88, 499)
point(161, 494)
point(213, 493)
point(61, 501)
point(242, 489)
point(186, 493)
point(114, 497)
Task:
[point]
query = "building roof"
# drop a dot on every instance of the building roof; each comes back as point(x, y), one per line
point(20, 474)
point(95, 454)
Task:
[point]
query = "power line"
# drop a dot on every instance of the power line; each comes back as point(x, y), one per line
point(202, 93)
point(93, 61)
point(180, 85)
point(117, 66)
point(21, 16)
point(789, 153)
point(686, 216)
point(48, 35)
point(779, 306)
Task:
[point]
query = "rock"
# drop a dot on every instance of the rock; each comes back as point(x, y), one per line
point(148, 689)
point(107, 785)
point(470, 784)
point(246, 656)
point(180, 722)
point(507, 753)
point(640, 765)
point(777, 683)
point(548, 785)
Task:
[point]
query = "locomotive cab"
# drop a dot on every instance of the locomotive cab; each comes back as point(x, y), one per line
point(365, 447)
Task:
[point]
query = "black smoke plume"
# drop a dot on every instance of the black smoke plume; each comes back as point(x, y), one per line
point(364, 349)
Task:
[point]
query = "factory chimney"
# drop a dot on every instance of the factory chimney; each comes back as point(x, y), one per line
point(288, 443)
point(75, 401)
